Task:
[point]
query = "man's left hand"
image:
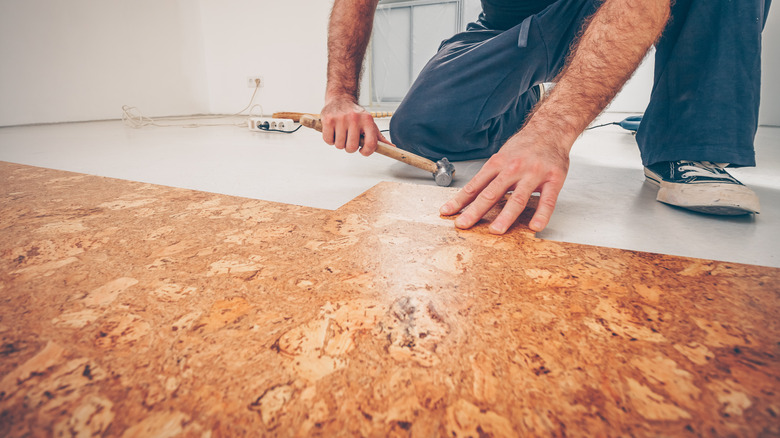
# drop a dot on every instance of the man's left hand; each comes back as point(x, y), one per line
point(527, 163)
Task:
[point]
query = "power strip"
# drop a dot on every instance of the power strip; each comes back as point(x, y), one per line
point(269, 124)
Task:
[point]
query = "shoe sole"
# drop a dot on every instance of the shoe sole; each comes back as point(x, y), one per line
point(713, 198)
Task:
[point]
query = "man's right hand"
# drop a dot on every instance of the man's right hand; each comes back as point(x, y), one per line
point(345, 123)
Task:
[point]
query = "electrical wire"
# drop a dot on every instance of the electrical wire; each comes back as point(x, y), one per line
point(132, 117)
point(630, 123)
point(601, 126)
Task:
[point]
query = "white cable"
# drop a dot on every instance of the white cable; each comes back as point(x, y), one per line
point(132, 117)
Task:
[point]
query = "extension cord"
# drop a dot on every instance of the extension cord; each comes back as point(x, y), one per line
point(269, 124)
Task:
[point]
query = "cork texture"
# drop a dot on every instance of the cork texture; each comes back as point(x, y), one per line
point(130, 309)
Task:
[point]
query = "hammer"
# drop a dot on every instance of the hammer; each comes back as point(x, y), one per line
point(442, 170)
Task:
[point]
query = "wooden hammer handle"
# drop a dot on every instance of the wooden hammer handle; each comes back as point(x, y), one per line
point(296, 117)
point(381, 148)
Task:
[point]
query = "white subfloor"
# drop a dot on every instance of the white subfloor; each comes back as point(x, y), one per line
point(605, 200)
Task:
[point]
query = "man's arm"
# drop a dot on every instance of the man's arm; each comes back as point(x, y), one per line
point(343, 120)
point(537, 157)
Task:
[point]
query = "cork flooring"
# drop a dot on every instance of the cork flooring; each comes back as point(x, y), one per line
point(131, 309)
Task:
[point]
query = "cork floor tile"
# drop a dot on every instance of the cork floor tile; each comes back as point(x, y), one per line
point(130, 309)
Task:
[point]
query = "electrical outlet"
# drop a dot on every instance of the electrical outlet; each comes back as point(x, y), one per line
point(264, 124)
point(251, 81)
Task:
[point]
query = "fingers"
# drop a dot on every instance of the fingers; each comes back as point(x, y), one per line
point(352, 132)
point(382, 138)
point(353, 136)
point(340, 140)
point(489, 186)
point(547, 201)
point(480, 194)
point(512, 210)
point(328, 132)
point(486, 199)
point(370, 136)
point(467, 193)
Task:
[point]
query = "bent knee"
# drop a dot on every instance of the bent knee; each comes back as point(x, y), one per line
point(438, 134)
point(410, 129)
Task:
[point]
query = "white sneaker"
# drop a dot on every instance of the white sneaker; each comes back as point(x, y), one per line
point(701, 186)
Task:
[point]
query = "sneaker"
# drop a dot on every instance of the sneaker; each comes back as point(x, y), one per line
point(701, 186)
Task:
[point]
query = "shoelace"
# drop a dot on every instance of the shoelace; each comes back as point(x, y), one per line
point(690, 169)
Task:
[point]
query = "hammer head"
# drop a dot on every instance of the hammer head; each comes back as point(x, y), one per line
point(444, 171)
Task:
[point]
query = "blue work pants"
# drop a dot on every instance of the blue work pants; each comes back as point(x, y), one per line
point(479, 87)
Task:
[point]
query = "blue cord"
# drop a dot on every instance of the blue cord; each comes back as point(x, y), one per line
point(631, 123)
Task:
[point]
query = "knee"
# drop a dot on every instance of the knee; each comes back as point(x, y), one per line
point(410, 129)
point(435, 130)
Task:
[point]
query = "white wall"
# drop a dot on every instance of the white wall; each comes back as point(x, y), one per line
point(283, 41)
point(83, 59)
point(635, 95)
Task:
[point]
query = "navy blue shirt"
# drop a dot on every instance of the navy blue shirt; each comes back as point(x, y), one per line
point(503, 14)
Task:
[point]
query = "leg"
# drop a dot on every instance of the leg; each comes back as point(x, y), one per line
point(474, 94)
point(704, 103)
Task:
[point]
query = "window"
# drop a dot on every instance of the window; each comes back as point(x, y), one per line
point(406, 35)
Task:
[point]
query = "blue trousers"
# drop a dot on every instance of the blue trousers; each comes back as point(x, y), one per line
point(479, 87)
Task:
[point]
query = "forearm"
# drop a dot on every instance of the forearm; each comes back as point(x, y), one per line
point(345, 124)
point(536, 159)
point(613, 44)
point(349, 31)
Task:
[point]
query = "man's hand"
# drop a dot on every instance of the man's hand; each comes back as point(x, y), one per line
point(527, 163)
point(536, 159)
point(344, 123)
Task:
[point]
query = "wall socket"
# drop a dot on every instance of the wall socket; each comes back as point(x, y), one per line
point(251, 81)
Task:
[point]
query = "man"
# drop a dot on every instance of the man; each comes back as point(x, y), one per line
point(475, 95)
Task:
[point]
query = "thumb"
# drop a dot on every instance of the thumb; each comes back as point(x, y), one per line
point(382, 138)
